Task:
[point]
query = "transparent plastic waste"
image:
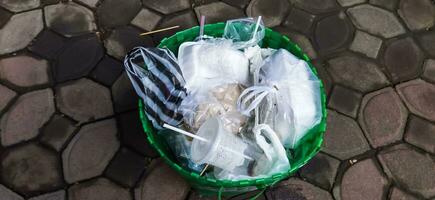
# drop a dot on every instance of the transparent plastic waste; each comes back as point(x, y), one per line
point(245, 32)
point(157, 79)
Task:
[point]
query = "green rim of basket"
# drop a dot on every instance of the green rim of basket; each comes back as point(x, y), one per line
point(314, 135)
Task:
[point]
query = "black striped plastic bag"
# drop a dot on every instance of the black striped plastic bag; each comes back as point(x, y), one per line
point(158, 80)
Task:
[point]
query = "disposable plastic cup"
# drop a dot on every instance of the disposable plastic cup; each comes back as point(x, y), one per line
point(220, 147)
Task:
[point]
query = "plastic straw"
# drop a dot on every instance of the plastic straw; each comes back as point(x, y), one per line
point(201, 26)
point(184, 132)
point(159, 30)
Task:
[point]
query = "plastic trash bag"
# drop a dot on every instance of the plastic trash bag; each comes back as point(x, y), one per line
point(158, 80)
point(212, 62)
point(245, 32)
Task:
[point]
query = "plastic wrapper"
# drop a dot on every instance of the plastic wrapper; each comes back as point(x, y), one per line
point(245, 32)
point(158, 80)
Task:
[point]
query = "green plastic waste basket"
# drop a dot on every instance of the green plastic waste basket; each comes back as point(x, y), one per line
point(307, 147)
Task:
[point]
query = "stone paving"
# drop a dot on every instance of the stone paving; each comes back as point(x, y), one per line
point(69, 124)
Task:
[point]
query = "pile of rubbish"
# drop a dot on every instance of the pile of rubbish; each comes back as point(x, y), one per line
point(227, 108)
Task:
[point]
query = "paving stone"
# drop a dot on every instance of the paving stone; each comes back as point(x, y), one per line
point(218, 12)
point(132, 134)
point(78, 100)
point(49, 2)
point(18, 6)
point(316, 6)
point(333, 33)
point(409, 169)
point(4, 17)
point(376, 21)
point(419, 97)
point(357, 73)
point(33, 108)
point(124, 96)
point(397, 194)
point(272, 11)
point(124, 39)
point(112, 14)
point(346, 3)
point(301, 40)
point(107, 71)
point(160, 177)
point(299, 20)
point(427, 39)
point(89, 152)
point(383, 117)
point(429, 69)
point(362, 181)
point(185, 20)
point(343, 138)
point(31, 168)
point(196, 196)
point(417, 14)
point(321, 170)
point(294, 188)
point(403, 59)
point(47, 44)
point(78, 58)
point(6, 97)
point(387, 4)
point(146, 19)
point(249, 195)
point(7, 194)
point(28, 24)
point(237, 3)
point(323, 75)
point(196, 3)
point(59, 195)
point(24, 71)
point(167, 6)
point(366, 44)
point(100, 188)
point(90, 3)
point(57, 132)
point(69, 19)
point(126, 167)
point(345, 100)
point(420, 132)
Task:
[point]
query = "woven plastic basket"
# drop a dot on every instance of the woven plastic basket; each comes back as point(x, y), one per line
point(308, 146)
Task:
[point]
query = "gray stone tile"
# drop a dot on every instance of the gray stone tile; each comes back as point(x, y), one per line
point(57, 131)
point(362, 181)
point(299, 20)
point(146, 19)
point(124, 39)
point(47, 44)
point(403, 59)
point(126, 167)
point(426, 40)
point(218, 12)
point(18, 6)
point(366, 44)
point(302, 41)
point(100, 188)
point(417, 14)
point(26, 116)
point(346, 3)
point(30, 169)
point(376, 21)
point(237, 3)
point(343, 138)
point(398, 194)
point(323, 75)
point(409, 169)
point(272, 11)
point(24, 71)
point(316, 7)
point(419, 96)
point(7, 194)
point(123, 94)
point(321, 170)
point(297, 189)
point(89, 152)
point(112, 13)
point(420, 132)
point(6, 97)
point(4, 17)
point(161, 182)
point(185, 20)
point(167, 6)
point(58, 195)
point(387, 4)
point(107, 71)
point(345, 100)
point(429, 69)
point(69, 19)
point(383, 117)
point(356, 72)
point(90, 3)
point(196, 196)
point(28, 24)
point(84, 100)
point(333, 33)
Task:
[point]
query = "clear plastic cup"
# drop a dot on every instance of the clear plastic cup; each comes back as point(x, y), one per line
point(220, 147)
